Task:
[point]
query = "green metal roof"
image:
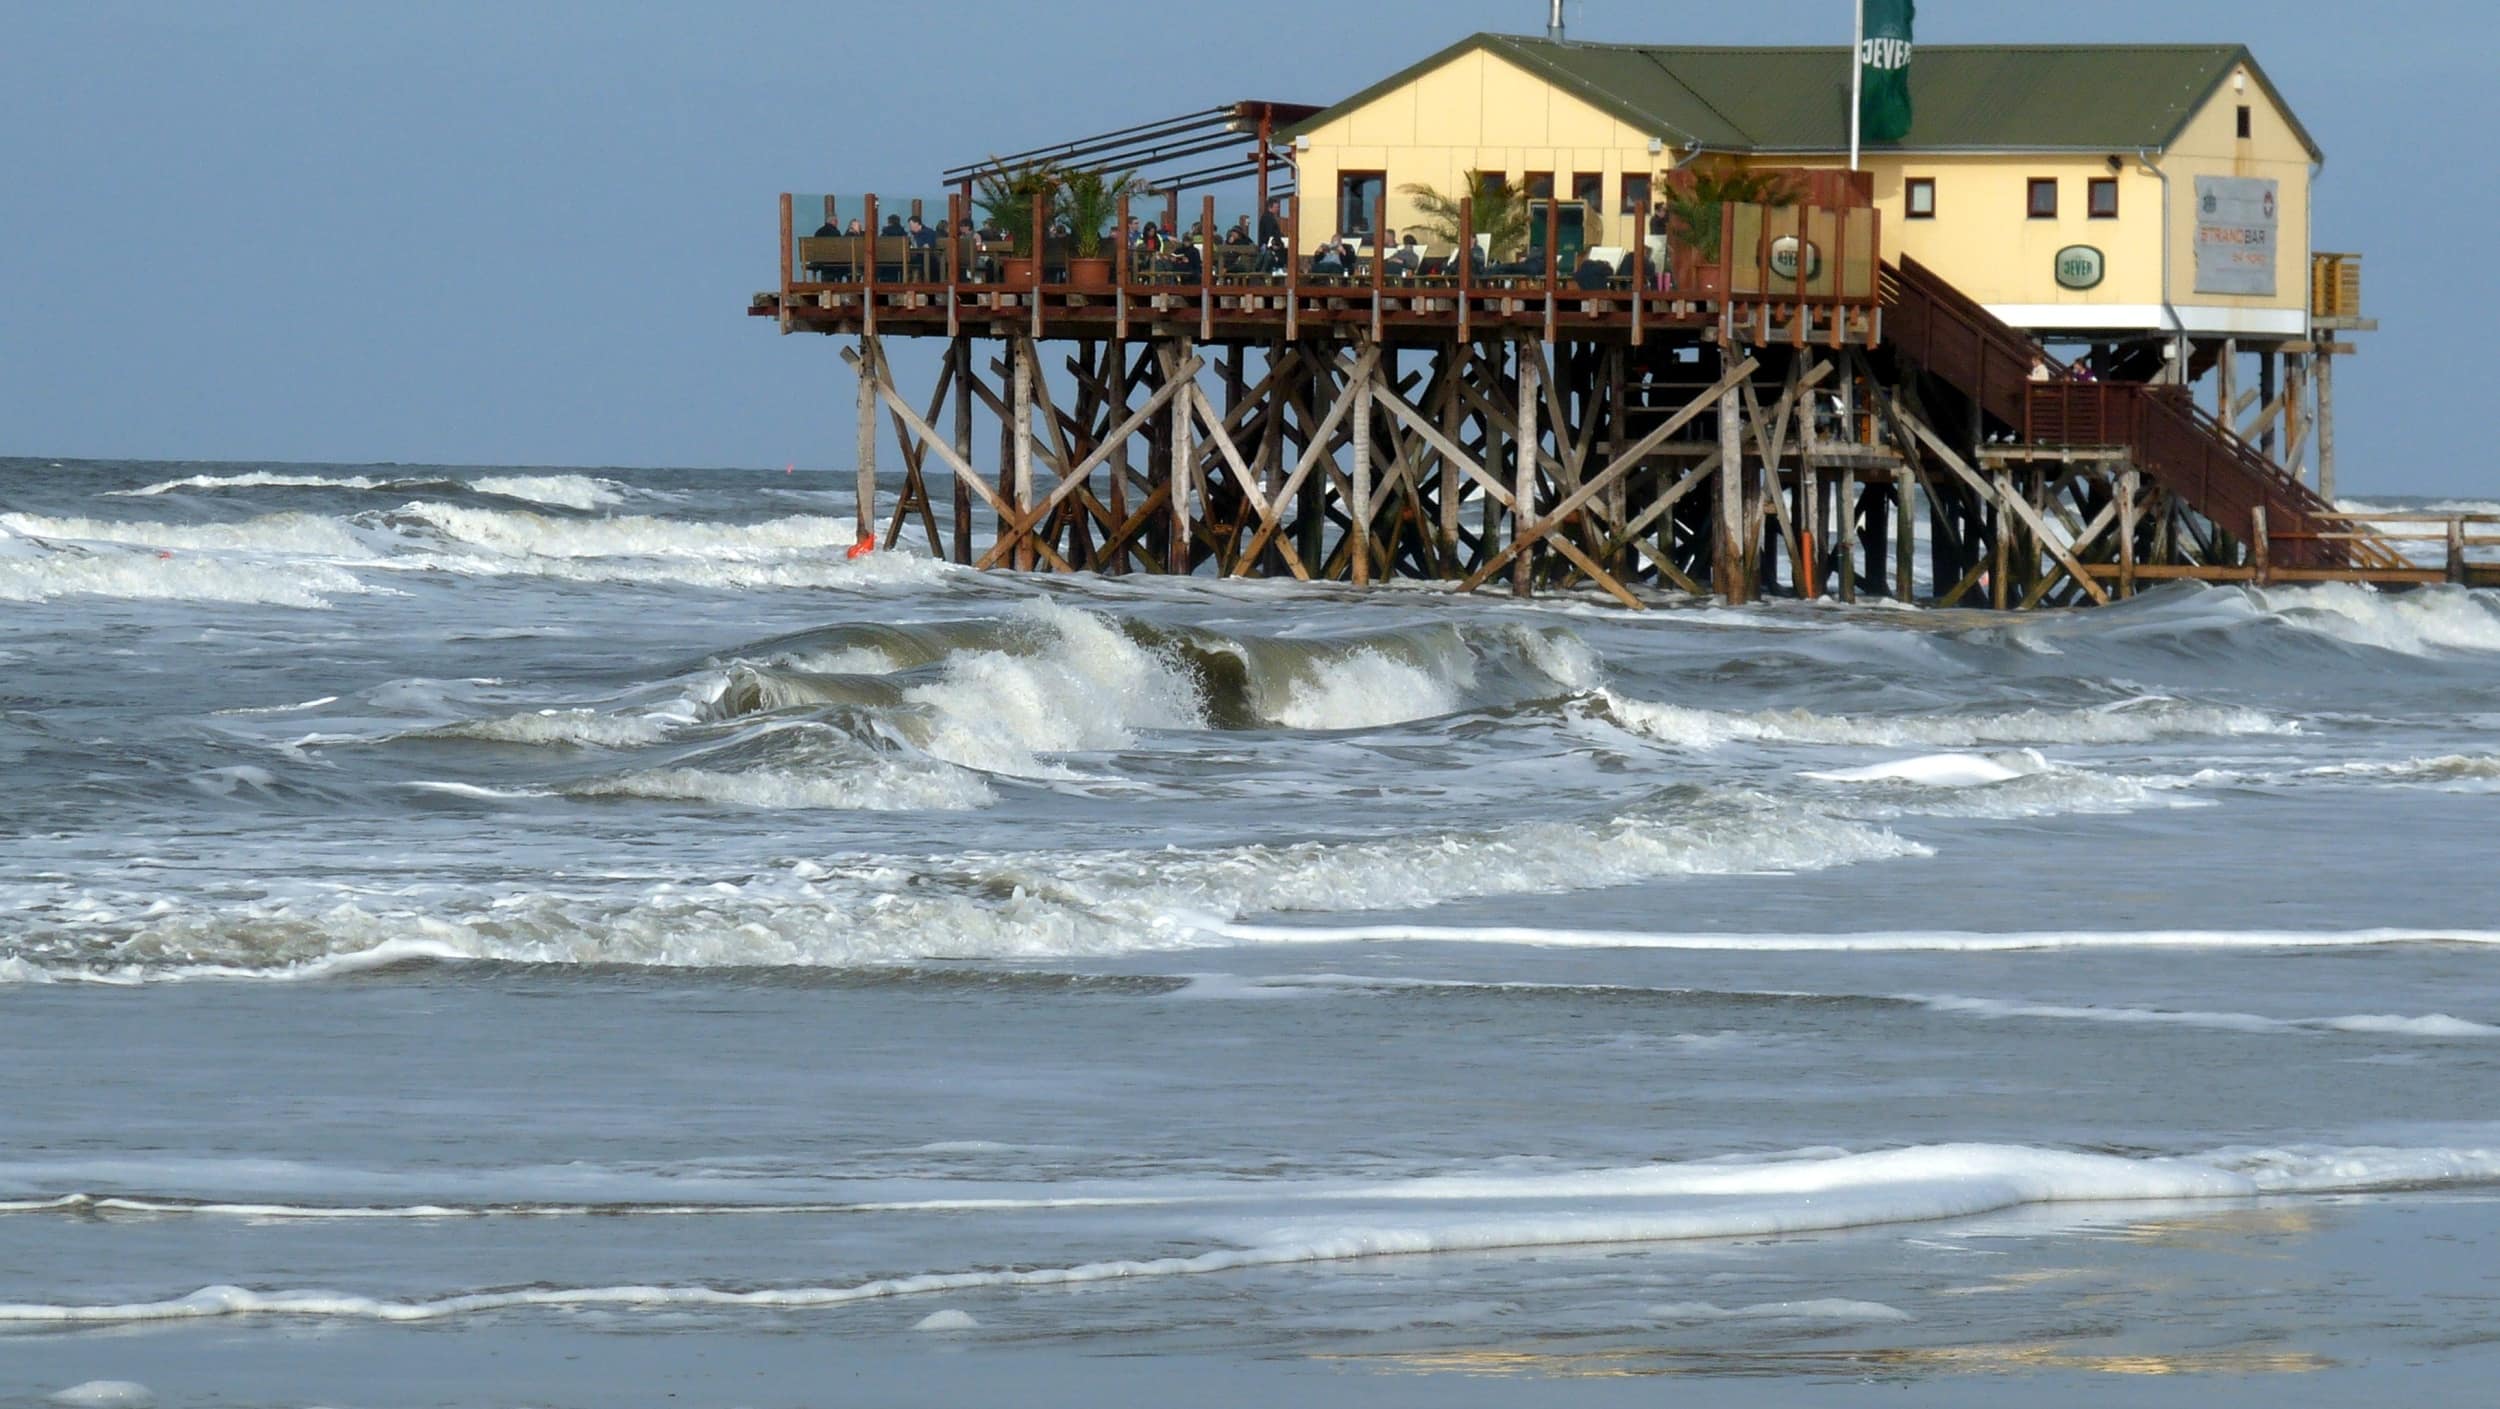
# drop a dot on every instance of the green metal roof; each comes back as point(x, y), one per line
point(1969, 97)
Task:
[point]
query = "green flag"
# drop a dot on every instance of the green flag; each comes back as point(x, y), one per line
point(1884, 69)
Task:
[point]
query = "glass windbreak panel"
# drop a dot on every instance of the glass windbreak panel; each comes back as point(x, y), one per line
point(825, 237)
point(1745, 252)
point(1359, 203)
point(1857, 263)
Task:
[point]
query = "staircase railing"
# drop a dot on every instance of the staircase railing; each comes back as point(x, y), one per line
point(2182, 446)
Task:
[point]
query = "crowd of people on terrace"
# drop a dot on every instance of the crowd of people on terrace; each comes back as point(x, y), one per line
point(1158, 252)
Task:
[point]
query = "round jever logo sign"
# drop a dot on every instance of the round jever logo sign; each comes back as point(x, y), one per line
point(2080, 267)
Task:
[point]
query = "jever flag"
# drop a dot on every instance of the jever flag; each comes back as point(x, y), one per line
point(1884, 70)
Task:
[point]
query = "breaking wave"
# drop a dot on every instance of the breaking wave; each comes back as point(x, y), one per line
point(872, 911)
point(1286, 1223)
point(566, 491)
point(2143, 720)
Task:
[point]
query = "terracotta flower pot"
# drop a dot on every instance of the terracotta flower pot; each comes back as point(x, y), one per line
point(1093, 274)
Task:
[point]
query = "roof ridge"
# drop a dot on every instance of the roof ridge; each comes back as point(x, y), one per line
point(1542, 42)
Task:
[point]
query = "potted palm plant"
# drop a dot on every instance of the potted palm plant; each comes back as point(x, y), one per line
point(1697, 199)
point(1091, 200)
point(1007, 197)
point(1500, 214)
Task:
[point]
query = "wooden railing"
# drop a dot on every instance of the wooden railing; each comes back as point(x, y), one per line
point(2172, 439)
point(1809, 274)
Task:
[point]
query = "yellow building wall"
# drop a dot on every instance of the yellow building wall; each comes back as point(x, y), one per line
point(1473, 113)
point(2211, 146)
point(1479, 112)
point(1985, 241)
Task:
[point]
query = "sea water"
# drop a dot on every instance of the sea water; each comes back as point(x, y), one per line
point(577, 937)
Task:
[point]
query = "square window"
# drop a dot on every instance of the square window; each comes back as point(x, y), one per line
point(1589, 189)
point(2244, 128)
point(1920, 198)
point(1635, 194)
point(2104, 193)
point(1540, 186)
point(2042, 202)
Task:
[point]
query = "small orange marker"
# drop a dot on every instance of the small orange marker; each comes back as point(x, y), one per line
point(164, 552)
point(862, 549)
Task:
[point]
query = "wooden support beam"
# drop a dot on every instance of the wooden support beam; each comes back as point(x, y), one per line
point(2015, 503)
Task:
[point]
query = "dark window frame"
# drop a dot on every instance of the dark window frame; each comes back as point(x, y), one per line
point(2031, 197)
point(2247, 123)
point(1527, 185)
point(2093, 191)
point(1594, 182)
point(1627, 203)
point(1909, 198)
point(1380, 209)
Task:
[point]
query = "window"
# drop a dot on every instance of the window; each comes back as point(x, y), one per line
point(2042, 204)
point(1919, 198)
point(2244, 128)
point(2104, 203)
point(1358, 202)
point(1540, 185)
point(1589, 189)
point(1635, 192)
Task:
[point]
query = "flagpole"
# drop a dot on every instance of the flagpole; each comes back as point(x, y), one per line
point(1857, 73)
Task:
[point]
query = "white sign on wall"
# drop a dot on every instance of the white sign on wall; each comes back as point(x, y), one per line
point(2235, 235)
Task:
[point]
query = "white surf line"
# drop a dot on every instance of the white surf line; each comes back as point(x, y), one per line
point(1914, 1185)
point(2430, 1025)
point(1950, 941)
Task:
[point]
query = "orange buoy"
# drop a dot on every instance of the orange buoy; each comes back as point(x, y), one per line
point(862, 548)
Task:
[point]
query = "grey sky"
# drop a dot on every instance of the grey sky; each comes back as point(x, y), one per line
point(525, 232)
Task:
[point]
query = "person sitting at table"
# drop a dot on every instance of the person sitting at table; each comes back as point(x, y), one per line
point(854, 228)
point(1330, 260)
point(830, 227)
point(893, 226)
point(1406, 259)
point(1239, 234)
point(1149, 240)
point(922, 237)
point(1186, 263)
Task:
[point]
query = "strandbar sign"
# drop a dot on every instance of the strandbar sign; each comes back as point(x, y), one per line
point(2235, 229)
point(1884, 69)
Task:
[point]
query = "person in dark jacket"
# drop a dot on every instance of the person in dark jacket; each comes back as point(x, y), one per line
point(830, 227)
point(893, 226)
point(922, 237)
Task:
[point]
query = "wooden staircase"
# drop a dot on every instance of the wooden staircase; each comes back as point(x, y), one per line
point(2175, 443)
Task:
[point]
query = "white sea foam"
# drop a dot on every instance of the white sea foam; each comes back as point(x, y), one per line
point(1489, 1212)
point(293, 533)
point(104, 1394)
point(1810, 1309)
point(579, 728)
point(1943, 770)
point(2133, 721)
point(1936, 941)
point(2422, 622)
point(949, 1319)
point(1017, 905)
point(1365, 689)
point(564, 491)
point(861, 785)
point(2456, 772)
point(184, 577)
point(1086, 687)
point(2434, 1025)
point(254, 479)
